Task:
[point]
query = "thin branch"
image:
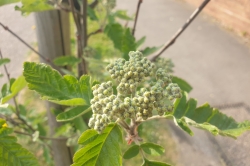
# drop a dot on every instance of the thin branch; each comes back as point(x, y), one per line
point(95, 32)
point(25, 43)
point(179, 32)
point(136, 16)
point(14, 99)
point(93, 4)
point(84, 34)
point(43, 137)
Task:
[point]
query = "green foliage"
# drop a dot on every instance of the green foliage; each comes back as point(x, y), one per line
point(149, 50)
point(122, 14)
point(6, 2)
point(131, 152)
point(140, 42)
point(66, 60)
point(12, 153)
point(206, 118)
point(153, 163)
point(122, 38)
point(64, 90)
point(4, 61)
point(152, 149)
point(91, 14)
point(73, 113)
point(103, 150)
point(182, 83)
point(4, 109)
point(29, 6)
point(10, 90)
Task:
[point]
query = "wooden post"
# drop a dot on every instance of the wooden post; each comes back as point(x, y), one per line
point(53, 34)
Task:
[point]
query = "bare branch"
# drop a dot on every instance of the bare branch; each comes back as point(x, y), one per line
point(14, 99)
point(30, 47)
point(179, 32)
point(136, 16)
point(93, 4)
point(95, 32)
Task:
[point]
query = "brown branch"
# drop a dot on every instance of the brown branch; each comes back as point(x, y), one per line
point(93, 4)
point(25, 43)
point(14, 99)
point(84, 36)
point(179, 32)
point(95, 32)
point(136, 16)
point(42, 137)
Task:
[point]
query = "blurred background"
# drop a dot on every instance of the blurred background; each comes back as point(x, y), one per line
point(212, 55)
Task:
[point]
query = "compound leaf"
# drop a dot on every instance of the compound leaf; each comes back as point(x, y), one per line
point(131, 152)
point(29, 6)
point(153, 163)
point(4, 61)
point(140, 42)
point(182, 84)
point(91, 14)
point(87, 137)
point(64, 90)
point(149, 50)
point(103, 150)
point(12, 153)
point(152, 149)
point(122, 14)
point(122, 38)
point(6, 2)
point(72, 113)
point(207, 118)
point(15, 87)
point(66, 60)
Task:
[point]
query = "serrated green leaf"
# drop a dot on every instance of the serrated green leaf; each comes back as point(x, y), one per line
point(152, 149)
point(153, 163)
point(87, 136)
point(182, 84)
point(73, 113)
point(66, 90)
point(91, 14)
point(66, 60)
point(29, 6)
point(4, 61)
point(149, 50)
point(11, 153)
point(131, 152)
point(1, 75)
point(80, 124)
point(6, 2)
point(140, 42)
point(103, 150)
point(15, 87)
point(122, 14)
point(207, 118)
point(122, 38)
point(128, 43)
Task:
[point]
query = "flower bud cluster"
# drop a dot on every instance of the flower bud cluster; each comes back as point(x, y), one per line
point(165, 64)
point(130, 73)
point(173, 91)
point(128, 103)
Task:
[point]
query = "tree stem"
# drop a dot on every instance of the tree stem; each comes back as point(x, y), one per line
point(179, 32)
point(136, 16)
